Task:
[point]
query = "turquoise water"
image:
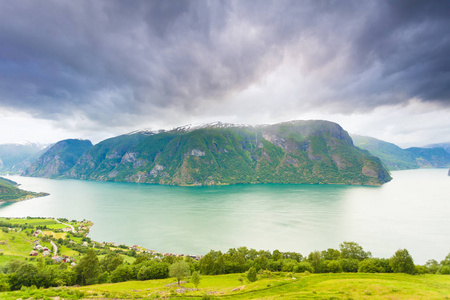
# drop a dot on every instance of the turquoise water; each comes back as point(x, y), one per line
point(412, 211)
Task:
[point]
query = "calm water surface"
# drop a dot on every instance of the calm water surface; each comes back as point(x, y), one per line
point(412, 211)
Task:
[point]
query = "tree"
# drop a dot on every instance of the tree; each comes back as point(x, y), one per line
point(111, 261)
point(331, 254)
point(179, 270)
point(88, 269)
point(26, 275)
point(402, 262)
point(251, 274)
point(121, 273)
point(315, 258)
point(445, 266)
point(353, 250)
point(432, 266)
point(195, 279)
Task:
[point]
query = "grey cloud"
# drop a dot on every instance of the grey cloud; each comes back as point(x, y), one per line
point(109, 60)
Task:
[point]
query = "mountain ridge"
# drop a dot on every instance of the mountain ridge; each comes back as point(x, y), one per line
point(396, 158)
point(312, 152)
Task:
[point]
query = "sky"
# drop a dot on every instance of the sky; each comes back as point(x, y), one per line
point(97, 69)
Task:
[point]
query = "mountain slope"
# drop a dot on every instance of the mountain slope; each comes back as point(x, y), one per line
point(15, 158)
point(294, 152)
point(396, 158)
point(430, 157)
point(58, 159)
point(446, 146)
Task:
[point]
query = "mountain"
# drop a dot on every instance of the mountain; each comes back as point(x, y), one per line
point(446, 146)
point(310, 152)
point(9, 192)
point(396, 158)
point(58, 159)
point(15, 158)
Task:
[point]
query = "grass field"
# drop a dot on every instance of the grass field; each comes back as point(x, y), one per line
point(15, 243)
point(34, 222)
point(279, 286)
point(50, 223)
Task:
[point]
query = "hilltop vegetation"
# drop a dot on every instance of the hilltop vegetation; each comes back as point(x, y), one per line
point(312, 152)
point(133, 272)
point(396, 158)
point(9, 192)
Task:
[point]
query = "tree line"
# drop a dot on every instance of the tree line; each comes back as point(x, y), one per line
point(90, 269)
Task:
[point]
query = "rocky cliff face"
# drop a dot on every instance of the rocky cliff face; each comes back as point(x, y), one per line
point(314, 152)
point(58, 159)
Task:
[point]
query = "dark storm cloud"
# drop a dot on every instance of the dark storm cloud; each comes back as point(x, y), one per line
point(109, 60)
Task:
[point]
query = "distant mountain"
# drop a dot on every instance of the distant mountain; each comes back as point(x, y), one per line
point(446, 146)
point(312, 152)
point(396, 158)
point(9, 192)
point(15, 158)
point(58, 159)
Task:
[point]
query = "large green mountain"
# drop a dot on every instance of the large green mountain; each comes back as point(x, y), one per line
point(396, 158)
point(58, 159)
point(311, 152)
point(9, 192)
point(15, 158)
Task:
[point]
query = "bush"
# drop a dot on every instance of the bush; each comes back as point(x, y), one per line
point(303, 267)
point(370, 266)
point(333, 266)
point(420, 270)
point(153, 270)
point(251, 274)
point(349, 265)
point(444, 270)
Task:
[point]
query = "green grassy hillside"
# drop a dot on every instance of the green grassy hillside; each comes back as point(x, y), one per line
point(9, 192)
point(277, 286)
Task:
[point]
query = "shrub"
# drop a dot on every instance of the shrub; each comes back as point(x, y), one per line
point(333, 266)
point(349, 265)
point(370, 266)
point(303, 267)
point(444, 270)
point(251, 274)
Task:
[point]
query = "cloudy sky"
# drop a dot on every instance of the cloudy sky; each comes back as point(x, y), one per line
point(95, 69)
